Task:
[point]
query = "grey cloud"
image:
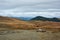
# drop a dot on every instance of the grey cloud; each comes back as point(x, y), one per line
point(11, 4)
point(15, 7)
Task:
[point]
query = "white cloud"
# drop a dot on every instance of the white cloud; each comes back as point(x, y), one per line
point(30, 14)
point(47, 8)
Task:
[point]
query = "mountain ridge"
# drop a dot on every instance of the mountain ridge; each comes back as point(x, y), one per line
point(46, 19)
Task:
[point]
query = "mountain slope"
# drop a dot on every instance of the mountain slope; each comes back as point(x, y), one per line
point(46, 19)
point(7, 22)
point(46, 24)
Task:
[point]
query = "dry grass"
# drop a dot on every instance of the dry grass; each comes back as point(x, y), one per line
point(6, 22)
point(30, 35)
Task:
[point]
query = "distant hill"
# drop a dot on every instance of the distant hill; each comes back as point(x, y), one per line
point(7, 22)
point(23, 18)
point(46, 19)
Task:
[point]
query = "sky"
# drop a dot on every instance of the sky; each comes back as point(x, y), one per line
point(30, 8)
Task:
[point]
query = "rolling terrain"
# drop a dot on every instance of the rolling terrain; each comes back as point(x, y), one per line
point(17, 29)
point(7, 22)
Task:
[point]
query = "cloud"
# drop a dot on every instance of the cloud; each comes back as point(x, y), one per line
point(47, 8)
point(30, 14)
point(35, 4)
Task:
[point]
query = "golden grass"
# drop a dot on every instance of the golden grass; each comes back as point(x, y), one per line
point(6, 22)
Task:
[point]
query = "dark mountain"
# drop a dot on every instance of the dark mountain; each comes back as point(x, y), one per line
point(46, 19)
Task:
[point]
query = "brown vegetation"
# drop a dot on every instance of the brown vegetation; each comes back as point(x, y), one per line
point(46, 24)
point(6, 22)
